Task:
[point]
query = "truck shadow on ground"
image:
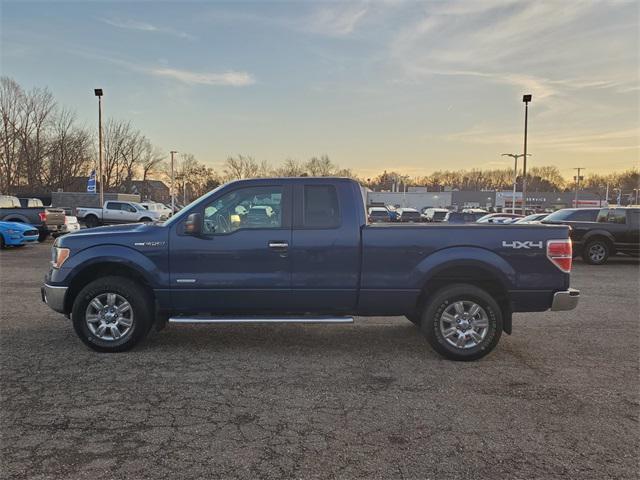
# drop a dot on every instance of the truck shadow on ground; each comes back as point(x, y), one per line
point(346, 339)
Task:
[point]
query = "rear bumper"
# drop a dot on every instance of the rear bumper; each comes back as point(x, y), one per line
point(565, 300)
point(54, 296)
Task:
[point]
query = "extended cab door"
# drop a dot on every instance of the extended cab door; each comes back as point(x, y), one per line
point(113, 213)
point(241, 262)
point(326, 247)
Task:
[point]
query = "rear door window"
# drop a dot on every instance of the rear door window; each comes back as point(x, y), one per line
point(321, 209)
point(584, 216)
point(114, 206)
point(617, 215)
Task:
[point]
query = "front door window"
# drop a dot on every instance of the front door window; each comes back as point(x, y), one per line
point(244, 208)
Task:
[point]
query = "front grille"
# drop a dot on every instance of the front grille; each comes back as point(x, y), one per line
point(29, 233)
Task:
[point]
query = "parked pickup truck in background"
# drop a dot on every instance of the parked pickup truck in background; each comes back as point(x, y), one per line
point(314, 258)
point(598, 233)
point(46, 219)
point(116, 212)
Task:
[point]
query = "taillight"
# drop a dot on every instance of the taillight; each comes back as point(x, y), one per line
point(43, 216)
point(560, 252)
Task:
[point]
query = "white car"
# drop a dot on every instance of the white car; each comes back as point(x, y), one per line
point(71, 224)
point(164, 211)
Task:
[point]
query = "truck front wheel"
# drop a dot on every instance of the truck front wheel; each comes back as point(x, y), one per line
point(462, 322)
point(112, 314)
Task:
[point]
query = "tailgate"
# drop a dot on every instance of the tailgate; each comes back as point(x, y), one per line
point(55, 217)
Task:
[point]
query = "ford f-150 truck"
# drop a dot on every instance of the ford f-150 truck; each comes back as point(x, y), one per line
point(117, 212)
point(313, 258)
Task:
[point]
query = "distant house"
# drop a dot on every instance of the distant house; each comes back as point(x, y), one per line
point(155, 190)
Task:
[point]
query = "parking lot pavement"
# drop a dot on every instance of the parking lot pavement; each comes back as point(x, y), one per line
point(559, 398)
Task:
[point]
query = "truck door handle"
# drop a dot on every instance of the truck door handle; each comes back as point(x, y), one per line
point(278, 245)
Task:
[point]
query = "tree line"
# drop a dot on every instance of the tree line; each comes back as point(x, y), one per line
point(43, 148)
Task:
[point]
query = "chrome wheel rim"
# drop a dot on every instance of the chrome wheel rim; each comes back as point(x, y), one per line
point(109, 317)
point(597, 252)
point(464, 324)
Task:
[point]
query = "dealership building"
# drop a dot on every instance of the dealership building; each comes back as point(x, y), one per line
point(419, 198)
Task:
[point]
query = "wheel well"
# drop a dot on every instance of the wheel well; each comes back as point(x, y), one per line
point(476, 276)
point(602, 238)
point(97, 270)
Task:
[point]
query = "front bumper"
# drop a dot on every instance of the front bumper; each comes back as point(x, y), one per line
point(565, 300)
point(54, 296)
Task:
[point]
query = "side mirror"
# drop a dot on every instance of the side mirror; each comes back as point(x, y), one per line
point(193, 224)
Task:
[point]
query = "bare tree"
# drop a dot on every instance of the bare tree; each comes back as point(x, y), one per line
point(237, 168)
point(290, 168)
point(320, 167)
point(35, 119)
point(70, 151)
point(11, 100)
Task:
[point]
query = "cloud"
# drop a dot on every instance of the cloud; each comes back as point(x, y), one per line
point(130, 24)
point(230, 78)
point(337, 21)
point(589, 141)
point(188, 77)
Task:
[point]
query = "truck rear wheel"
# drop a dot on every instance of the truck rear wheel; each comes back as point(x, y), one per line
point(112, 314)
point(462, 322)
point(91, 221)
point(596, 252)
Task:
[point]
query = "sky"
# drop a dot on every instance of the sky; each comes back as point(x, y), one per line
point(376, 85)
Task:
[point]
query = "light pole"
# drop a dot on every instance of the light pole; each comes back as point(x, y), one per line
point(173, 191)
point(515, 157)
point(578, 178)
point(526, 99)
point(98, 93)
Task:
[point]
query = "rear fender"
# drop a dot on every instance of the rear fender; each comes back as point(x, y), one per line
point(472, 258)
point(598, 233)
point(466, 257)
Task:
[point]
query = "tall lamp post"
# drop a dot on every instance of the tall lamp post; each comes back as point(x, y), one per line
point(98, 93)
point(526, 99)
point(577, 178)
point(515, 157)
point(173, 191)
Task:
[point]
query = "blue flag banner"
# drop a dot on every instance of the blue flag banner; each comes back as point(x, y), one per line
point(91, 182)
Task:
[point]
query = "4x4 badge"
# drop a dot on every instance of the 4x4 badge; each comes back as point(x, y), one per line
point(519, 244)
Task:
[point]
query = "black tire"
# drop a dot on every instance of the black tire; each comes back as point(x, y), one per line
point(596, 252)
point(43, 236)
point(445, 298)
point(141, 305)
point(91, 221)
point(145, 220)
point(2, 245)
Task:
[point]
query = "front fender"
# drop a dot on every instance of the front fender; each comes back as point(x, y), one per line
point(465, 257)
point(114, 254)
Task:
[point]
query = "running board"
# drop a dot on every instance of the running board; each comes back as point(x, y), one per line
point(223, 320)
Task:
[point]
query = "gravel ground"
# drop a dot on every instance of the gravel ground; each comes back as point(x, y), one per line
point(558, 398)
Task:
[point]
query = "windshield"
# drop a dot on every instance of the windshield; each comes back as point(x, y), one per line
point(178, 216)
point(530, 218)
point(559, 215)
point(485, 218)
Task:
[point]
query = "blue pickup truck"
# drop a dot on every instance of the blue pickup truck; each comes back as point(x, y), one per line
point(301, 250)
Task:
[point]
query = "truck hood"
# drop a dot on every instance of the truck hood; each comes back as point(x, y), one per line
point(127, 235)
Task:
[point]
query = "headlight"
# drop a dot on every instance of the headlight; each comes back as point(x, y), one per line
point(11, 232)
point(59, 256)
